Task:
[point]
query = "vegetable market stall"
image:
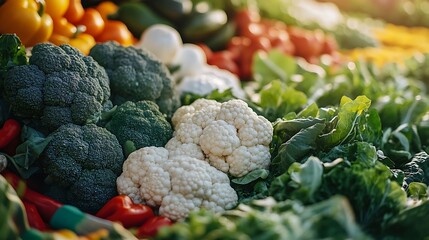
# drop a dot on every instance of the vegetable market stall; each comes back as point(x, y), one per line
point(225, 119)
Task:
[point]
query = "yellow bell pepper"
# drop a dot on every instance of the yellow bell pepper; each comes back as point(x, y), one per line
point(27, 19)
point(56, 8)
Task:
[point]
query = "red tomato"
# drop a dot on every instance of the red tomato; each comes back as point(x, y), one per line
point(275, 33)
point(245, 64)
point(151, 226)
point(285, 46)
point(261, 43)
point(253, 30)
point(246, 57)
point(268, 23)
point(236, 45)
point(306, 43)
point(224, 60)
point(245, 17)
point(329, 45)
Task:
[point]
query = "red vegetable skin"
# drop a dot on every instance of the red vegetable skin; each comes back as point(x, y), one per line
point(34, 218)
point(46, 206)
point(10, 131)
point(10, 148)
point(245, 17)
point(122, 209)
point(224, 60)
point(237, 45)
point(307, 44)
point(152, 226)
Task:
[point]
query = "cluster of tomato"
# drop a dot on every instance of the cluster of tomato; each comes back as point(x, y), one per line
point(257, 34)
point(83, 27)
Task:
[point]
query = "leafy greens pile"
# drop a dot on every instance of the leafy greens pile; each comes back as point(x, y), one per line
point(353, 136)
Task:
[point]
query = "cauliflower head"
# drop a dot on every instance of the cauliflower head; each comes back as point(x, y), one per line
point(178, 184)
point(231, 136)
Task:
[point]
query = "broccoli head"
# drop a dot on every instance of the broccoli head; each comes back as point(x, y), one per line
point(59, 86)
point(138, 125)
point(83, 162)
point(135, 75)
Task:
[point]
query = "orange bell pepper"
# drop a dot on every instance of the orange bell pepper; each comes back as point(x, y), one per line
point(116, 31)
point(82, 41)
point(26, 18)
point(67, 33)
point(93, 22)
point(106, 8)
point(75, 11)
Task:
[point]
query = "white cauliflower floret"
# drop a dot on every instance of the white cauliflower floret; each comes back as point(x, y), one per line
point(136, 166)
point(219, 138)
point(182, 111)
point(205, 116)
point(177, 184)
point(188, 132)
point(236, 112)
point(220, 198)
point(202, 103)
point(176, 206)
point(259, 126)
point(187, 177)
point(128, 187)
point(177, 148)
point(156, 184)
point(219, 162)
point(244, 158)
point(220, 129)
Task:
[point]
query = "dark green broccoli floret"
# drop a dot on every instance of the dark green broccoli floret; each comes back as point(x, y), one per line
point(139, 124)
point(135, 75)
point(59, 86)
point(84, 162)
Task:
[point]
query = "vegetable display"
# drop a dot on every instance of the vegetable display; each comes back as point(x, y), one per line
point(201, 119)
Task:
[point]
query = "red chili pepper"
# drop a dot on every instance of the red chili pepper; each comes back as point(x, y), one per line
point(10, 149)
point(122, 209)
point(10, 130)
point(152, 226)
point(34, 218)
point(45, 205)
